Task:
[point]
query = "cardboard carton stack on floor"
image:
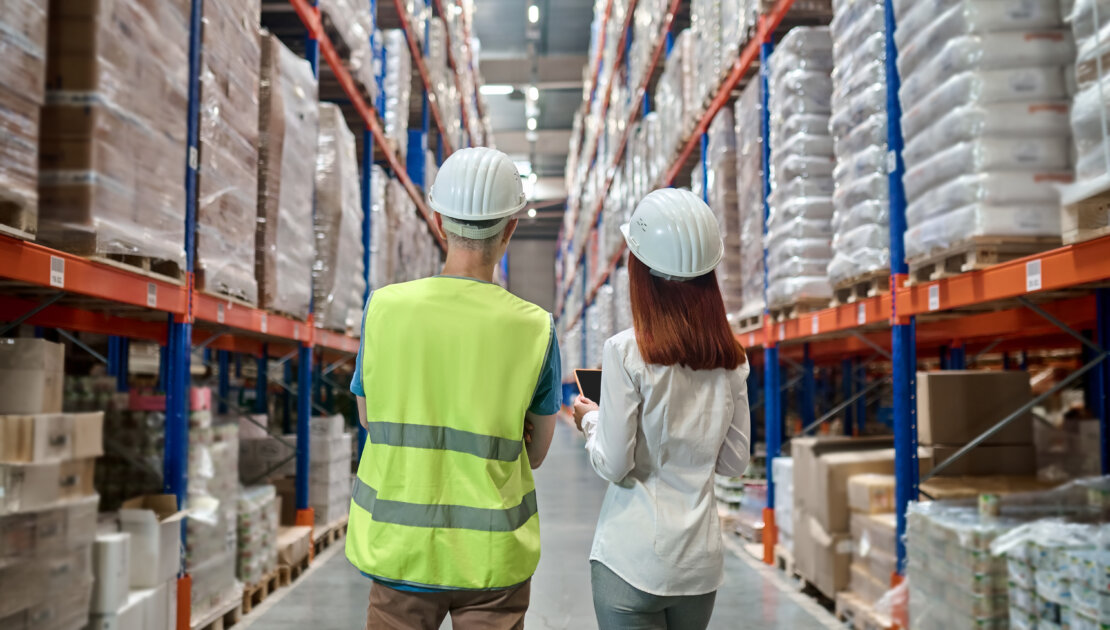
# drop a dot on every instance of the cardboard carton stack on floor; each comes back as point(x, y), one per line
point(329, 477)
point(257, 533)
point(288, 118)
point(227, 180)
point(136, 567)
point(782, 470)
point(22, 83)
point(114, 127)
point(873, 525)
point(822, 518)
point(213, 503)
point(47, 500)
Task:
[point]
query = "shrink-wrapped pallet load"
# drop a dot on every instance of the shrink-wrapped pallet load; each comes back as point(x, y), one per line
point(23, 29)
point(749, 184)
point(113, 148)
point(288, 119)
point(338, 280)
point(398, 89)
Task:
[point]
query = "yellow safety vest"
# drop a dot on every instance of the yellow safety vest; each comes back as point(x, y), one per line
point(444, 496)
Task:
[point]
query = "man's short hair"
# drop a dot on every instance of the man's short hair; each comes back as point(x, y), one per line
point(480, 236)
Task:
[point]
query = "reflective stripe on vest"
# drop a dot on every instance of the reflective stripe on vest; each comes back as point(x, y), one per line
point(444, 495)
point(444, 516)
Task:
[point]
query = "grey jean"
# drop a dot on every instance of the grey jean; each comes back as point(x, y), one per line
point(621, 606)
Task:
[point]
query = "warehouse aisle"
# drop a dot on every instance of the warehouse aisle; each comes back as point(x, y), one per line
point(333, 595)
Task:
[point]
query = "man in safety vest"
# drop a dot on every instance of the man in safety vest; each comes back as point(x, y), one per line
point(458, 384)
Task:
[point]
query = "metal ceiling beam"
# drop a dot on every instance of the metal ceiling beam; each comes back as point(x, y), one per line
point(548, 141)
point(555, 71)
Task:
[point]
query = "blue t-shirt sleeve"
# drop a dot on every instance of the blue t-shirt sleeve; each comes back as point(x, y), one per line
point(547, 399)
point(356, 378)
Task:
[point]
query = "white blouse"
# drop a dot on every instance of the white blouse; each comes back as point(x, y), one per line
point(659, 436)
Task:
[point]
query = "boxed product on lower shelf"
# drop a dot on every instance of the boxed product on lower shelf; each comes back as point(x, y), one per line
point(114, 130)
point(211, 543)
point(288, 118)
point(257, 533)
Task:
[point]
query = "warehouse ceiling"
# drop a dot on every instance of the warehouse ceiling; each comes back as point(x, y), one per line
point(550, 55)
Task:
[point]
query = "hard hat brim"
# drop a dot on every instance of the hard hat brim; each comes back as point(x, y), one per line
point(635, 251)
point(500, 214)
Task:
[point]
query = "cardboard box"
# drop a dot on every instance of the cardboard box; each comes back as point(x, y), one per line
point(1015, 459)
point(88, 434)
point(939, 488)
point(28, 486)
point(861, 582)
point(132, 616)
point(871, 493)
point(827, 493)
point(111, 572)
point(821, 557)
point(327, 426)
point(293, 544)
point(955, 406)
point(161, 608)
point(37, 438)
point(31, 374)
point(154, 523)
point(805, 452)
point(75, 478)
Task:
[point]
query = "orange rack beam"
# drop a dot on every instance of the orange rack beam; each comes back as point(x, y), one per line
point(425, 75)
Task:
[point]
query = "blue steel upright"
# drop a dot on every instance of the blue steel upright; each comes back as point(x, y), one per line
point(261, 381)
point(847, 388)
point(1102, 386)
point(223, 382)
point(903, 343)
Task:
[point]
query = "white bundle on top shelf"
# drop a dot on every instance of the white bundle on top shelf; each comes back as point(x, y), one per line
point(749, 183)
point(985, 121)
point(723, 199)
point(861, 220)
point(799, 229)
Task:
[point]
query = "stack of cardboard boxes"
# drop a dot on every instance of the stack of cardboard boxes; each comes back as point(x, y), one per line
point(113, 129)
point(257, 533)
point(329, 476)
point(874, 549)
point(22, 83)
point(47, 500)
point(136, 567)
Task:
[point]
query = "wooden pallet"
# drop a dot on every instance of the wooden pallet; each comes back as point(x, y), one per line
point(287, 574)
point(164, 270)
point(226, 614)
point(255, 594)
point(14, 232)
point(1086, 220)
point(797, 309)
point(974, 254)
point(857, 614)
point(866, 286)
point(17, 217)
point(328, 535)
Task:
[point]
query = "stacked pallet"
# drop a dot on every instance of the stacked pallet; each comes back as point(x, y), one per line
point(874, 552)
point(329, 477)
point(397, 85)
point(257, 529)
point(723, 198)
point(986, 130)
point(800, 225)
point(23, 29)
point(350, 26)
point(749, 183)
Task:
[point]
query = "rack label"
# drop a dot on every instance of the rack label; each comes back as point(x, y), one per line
point(297, 332)
point(264, 323)
point(57, 272)
point(891, 161)
point(861, 314)
point(221, 313)
point(782, 332)
point(151, 295)
point(934, 297)
point(193, 161)
point(751, 339)
point(815, 327)
point(1033, 275)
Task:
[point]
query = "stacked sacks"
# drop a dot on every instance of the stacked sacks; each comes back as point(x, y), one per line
point(723, 198)
point(398, 89)
point(749, 176)
point(985, 120)
point(799, 229)
point(861, 221)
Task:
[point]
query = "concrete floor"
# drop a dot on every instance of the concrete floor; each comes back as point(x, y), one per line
point(332, 595)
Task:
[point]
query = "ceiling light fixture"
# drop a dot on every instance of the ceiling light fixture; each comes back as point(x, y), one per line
point(531, 213)
point(533, 93)
point(531, 124)
point(496, 90)
point(533, 14)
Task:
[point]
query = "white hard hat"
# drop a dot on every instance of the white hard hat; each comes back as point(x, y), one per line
point(675, 234)
point(477, 184)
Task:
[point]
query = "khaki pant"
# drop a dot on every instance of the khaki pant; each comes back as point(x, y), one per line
point(391, 609)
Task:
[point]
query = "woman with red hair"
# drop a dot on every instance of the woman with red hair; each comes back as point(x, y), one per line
point(673, 411)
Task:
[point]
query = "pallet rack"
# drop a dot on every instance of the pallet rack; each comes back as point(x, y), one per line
point(1036, 302)
point(48, 288)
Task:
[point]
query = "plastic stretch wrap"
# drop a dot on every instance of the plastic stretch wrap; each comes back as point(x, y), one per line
point(998, 189)
point(211, 541)
point(673, 97)
point(337, 273)
point(723, 198)
point(381, 230)
point(783, 470)
point(571, 347)
point(113, 130)
point(414, 254)
point(329, 477)
point(622, 300)
point(350, 24)
point(987, 155)
point(257, 533)
point(1090, 24)
point(23, 29)
point(287, 136)
point(802, 165)
point(398, 89)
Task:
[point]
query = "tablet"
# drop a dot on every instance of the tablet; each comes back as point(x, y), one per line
point(589, 384)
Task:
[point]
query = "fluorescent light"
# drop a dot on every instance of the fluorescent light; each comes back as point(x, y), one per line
point(531, 213)
point(531, 124)
point(533, 14)
point(524, 168)
point(533, 92)
point(496, 90)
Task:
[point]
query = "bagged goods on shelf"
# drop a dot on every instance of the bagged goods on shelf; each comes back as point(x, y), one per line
point(988, 155)
point(749, 185)
point(381, 231)
point(210, 552)
point(398, 89)
point(113, 130)
point(337, 273)
point(287, 135)
point(257, 531)
point(999, 189)
point(723, 198)
point(23, 29)
point(227, 177)
point(351, 25)
point(800, 92)
point(414, 254)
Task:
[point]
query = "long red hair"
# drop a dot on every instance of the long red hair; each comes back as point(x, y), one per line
point(681, 323)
